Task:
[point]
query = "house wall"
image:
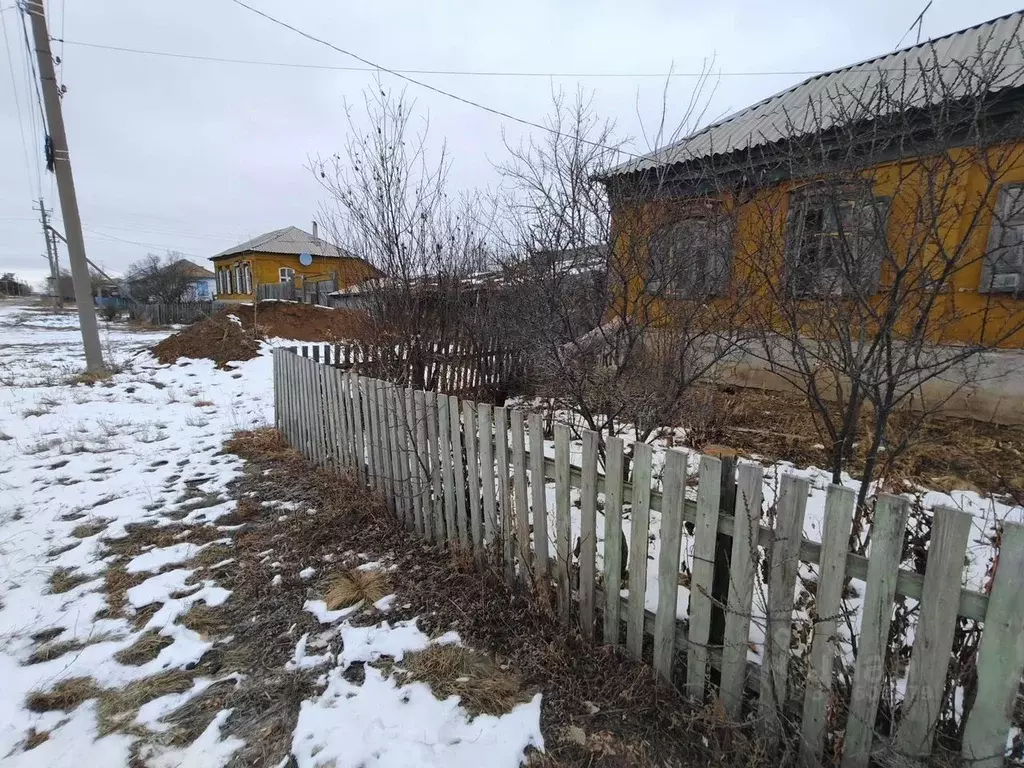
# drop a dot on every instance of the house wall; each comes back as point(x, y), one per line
point(266, 269)
point(970, 185)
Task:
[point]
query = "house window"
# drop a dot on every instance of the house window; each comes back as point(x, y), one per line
point(287, 274)
point(1003, 268)
point(692, 257)
point(835, 241)
point(247, 271)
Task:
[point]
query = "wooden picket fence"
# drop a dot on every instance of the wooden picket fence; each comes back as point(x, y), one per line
point(179, 313)
point(483, 372)
point(460, 473)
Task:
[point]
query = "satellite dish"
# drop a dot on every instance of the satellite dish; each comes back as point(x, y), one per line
point(305, 259)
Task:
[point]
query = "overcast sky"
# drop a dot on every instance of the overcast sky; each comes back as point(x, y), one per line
point(196, 156)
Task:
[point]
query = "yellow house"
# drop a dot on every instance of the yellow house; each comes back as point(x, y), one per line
point(287, 258)
point(902, 170)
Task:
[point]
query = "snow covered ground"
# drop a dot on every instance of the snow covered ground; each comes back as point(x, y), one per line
point(79, 463)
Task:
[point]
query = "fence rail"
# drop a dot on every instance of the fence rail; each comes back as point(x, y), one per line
point(464, 474)
point(181, 313)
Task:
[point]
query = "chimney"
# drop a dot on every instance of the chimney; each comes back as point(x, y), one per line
point(314, 232)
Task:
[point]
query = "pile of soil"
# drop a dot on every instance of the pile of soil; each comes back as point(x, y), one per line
point(233, 334)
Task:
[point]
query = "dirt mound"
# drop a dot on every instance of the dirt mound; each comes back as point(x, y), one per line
point(220, 337)
point(306, 322)
point(233, 334)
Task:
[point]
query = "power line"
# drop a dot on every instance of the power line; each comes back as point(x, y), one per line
point(33, 73)
point(421, 84)
point(445, 72)
point(136, 242)
point(17, 101)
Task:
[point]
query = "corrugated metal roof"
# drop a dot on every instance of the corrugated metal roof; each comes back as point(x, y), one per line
point(923, 74)
point(290, 240)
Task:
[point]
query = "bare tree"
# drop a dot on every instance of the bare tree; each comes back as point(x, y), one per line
point(621, 314)
point(389, 202)
point(164, 279)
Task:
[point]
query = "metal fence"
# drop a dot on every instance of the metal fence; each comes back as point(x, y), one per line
point(472, 476)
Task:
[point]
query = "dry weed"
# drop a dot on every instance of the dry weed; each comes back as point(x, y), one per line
point(482, 686)
point(345, 589)
point(117, 582)
point(118, 707)
point(35, 738)
point(52, 651)
point(64, 696)
point(65, 579)
point(146, 648)
point(206, 621)
point(85, 530)
point(264, 444)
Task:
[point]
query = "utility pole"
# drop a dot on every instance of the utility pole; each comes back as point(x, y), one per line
point(65, 187)
point(58, 298)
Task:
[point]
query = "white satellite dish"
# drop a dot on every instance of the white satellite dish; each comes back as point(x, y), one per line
point(305, 259)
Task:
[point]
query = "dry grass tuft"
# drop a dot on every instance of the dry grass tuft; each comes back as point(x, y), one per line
point(117, 582)
point(349, 588)
point(246, 511)
point(482, 686)
point(65, 579)
point(264, 444)
point(206, 621)
point(65, 696)
point(52, 651)
point(46, 635)
point(211, 555)
point(146, 648)
point(118, 708)
point(85, 530)
point(35, 738)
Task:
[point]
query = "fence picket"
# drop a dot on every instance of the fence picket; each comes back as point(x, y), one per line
point(886, 549)
point(359, 446)
point(341, 438)
point(334, 431)
point(402, 472)
point(835, 537)
point(933, 640)
point(304, 401)
point(519, 498)
point(415, 502)
point(674, 484)
point(639, 530)
point(613, 553)
point(538, 489)
point(459, 470)
point(741, 589)
point(1000, 656)
point(705, 532)
point(425, 522)
point(385, 453)
point(473, 479)
point(447, 473)
point(563, 553)
point(324, 416)
point(504, 491)
point(485, 424)
point(588, 534)
point(368, 424)
point(396, 451)
point(783, 564)
point(434, 448)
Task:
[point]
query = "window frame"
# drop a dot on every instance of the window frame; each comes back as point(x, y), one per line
point(693, 287)
point(998, 226)
point(281, 277)
point(841, 209)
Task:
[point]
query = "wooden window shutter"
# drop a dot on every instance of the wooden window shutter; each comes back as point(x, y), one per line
point(1005, 252)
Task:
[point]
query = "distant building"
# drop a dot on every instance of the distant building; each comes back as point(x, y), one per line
point(287, 258)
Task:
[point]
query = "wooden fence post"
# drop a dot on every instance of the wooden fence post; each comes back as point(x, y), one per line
point(702, 576)
point(1000, 656)
point(563, 528)
point(741, 589)
point(835, 538)
point(520, 499)
point(886, 550)
point(613, 554)
point(470, 430)
point(538, 490)
point(461, 516)
point(588, 534)
point(668, 562)
point(504, 491)
point(425, 522)
point(640, 526)
point(436, 489)
point(485, 425)
point(783, 562)
point(444, 422)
